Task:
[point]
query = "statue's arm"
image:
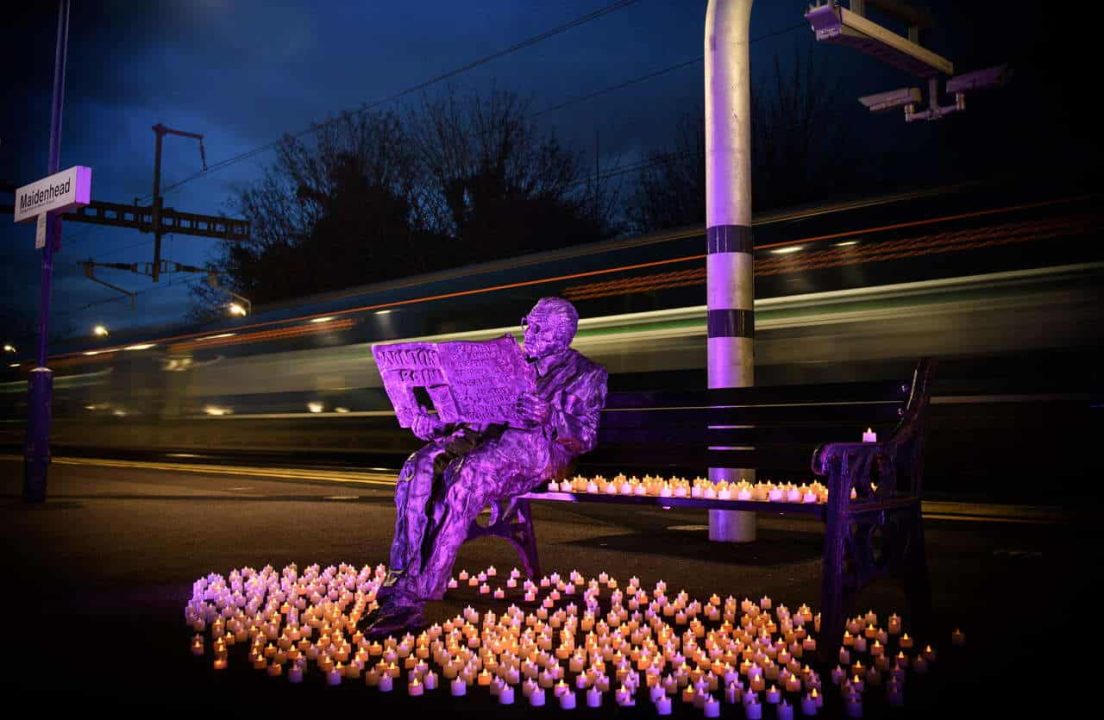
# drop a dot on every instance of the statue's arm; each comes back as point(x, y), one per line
point(575, 418)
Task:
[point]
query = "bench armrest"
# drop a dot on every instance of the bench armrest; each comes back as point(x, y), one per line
point(866, 469)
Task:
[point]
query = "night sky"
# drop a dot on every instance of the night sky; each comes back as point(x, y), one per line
point(243, 72)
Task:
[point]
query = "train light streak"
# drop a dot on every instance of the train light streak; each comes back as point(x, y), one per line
point(682, 278)
point(788, 250)
point(140, 346)
point(847, 243)
point(216, 337)
point(325, 319)
point(315, 407)
point(216, 410)
point(950, 241)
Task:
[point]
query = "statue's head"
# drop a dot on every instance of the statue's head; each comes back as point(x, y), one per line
point(549, 327)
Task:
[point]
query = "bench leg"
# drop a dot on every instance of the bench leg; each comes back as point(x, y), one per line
point(516, 528)
point(832, 593)
point(524, 539)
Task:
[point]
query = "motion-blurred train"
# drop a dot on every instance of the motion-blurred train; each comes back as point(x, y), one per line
point(1001, 285)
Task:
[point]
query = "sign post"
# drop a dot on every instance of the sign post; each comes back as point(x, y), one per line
point(48, 196)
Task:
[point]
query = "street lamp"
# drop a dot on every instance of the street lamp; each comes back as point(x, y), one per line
point(239, 306)
point(99, 331)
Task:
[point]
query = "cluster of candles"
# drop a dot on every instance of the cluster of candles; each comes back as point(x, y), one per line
point(585, 640)
point(676, 487)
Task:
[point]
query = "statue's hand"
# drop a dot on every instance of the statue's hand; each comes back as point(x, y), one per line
point(532, 409)
point(426, 427)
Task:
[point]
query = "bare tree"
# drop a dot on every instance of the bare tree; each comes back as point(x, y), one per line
point(797, 143)
point(338, 210)
point(670, 189)
point(798, 137)
point(495, 182)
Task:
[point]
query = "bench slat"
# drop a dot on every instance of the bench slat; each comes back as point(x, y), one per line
point(812, 509)
point(762, 395)
point(697, 436)
point(837, 414)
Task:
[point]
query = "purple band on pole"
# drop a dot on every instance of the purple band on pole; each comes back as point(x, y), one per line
point(729, 238)
point(731, 323)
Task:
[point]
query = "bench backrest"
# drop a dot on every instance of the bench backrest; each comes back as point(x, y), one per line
point(773, 429)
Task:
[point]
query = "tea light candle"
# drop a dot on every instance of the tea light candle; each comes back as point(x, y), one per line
point(663, 705)
point(295, 673)
point(712, 707)
point(567, 700)
point(506, 695)
point(386, 683)
point(869, 436)
point(774, 695)
point(458, 687)
point(415, 687)
point(537, 697)
point(958, 637)
point(753, 710)
point(593, 696)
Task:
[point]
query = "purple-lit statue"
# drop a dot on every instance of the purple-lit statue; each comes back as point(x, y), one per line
point(468, 466)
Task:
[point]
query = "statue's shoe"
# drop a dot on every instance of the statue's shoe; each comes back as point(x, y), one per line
point(396, 620)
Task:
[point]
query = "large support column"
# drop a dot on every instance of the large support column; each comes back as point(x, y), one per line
point(730, 277)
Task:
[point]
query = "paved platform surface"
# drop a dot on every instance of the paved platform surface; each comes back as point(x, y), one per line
point(95, 581)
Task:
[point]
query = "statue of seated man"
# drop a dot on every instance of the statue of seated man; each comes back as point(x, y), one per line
point(465, 467)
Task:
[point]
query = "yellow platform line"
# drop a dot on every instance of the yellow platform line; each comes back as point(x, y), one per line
point(338, 476)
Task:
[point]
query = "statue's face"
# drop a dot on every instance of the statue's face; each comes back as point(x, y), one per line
point(546, 333)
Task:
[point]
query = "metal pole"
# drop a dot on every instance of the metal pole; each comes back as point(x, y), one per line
point(155, 216)
point(36, 452)
point(730, 277)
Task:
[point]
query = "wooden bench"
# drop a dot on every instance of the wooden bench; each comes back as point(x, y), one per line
point(872, 515)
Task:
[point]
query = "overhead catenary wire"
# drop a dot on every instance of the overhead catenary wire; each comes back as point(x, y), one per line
point(437, 79)
point(553, 108)
point(515, 47)
point(525, 43)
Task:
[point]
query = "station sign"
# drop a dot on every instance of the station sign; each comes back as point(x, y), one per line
point(54, 194)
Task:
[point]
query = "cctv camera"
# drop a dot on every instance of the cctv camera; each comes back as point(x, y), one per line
point(979, 79)
point(891, 99)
